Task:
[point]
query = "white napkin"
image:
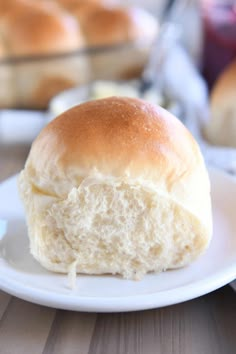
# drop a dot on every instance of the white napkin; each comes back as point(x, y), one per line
point(184, 83)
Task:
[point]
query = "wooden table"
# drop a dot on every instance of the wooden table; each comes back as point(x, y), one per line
point(206, 325)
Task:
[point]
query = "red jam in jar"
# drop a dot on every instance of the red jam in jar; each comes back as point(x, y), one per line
point(219, 24)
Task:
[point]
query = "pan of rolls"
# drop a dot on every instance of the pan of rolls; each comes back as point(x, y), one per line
point(48, 46)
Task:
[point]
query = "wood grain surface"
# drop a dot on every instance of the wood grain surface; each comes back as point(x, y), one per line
point(206, 325)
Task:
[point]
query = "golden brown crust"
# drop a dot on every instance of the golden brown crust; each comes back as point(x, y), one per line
point(30, 30)
point(41, 27)
point(117, 137)
point(224, 86)
point(83, 10)
point(10, 7)
point(221, 127)
point(117, 25)
point(70, 5)
point(6, 6)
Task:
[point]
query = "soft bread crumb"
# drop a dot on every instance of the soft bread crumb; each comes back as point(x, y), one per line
point(113, 226)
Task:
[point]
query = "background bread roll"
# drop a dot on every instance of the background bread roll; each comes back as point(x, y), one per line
point(84, 9)
point(119, 26)
point(221, 128)
point(116, 186)
point(124, 24)
point(7, 90)
point(40, 32)
point(36, 34)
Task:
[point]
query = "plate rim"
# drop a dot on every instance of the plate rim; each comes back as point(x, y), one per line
point(120, 304)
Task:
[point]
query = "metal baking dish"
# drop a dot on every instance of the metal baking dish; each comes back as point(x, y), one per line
point(30, 82)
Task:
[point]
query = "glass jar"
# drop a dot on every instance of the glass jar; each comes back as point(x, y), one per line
point(219, 28)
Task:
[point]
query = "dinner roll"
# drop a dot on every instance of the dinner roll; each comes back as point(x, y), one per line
point(7, 89)
point(83, 9)
point(35, 31)
point(114, 25)
point(131, 30)
point(116, 186)
point(38, 32)
point(17, 7)
point(221, 127)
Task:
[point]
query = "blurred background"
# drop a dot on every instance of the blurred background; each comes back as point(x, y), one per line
point(180, 54)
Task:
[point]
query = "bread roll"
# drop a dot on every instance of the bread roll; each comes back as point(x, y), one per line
point(35, 31)
point(116, 186)
point(7, 89)
point(9, 8)
point(84, 9)
point(115, 25)
point(221, 128)
point(38, 32)
point(133, 29)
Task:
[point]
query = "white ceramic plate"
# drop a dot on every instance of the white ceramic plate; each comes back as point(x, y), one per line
point(22, 276)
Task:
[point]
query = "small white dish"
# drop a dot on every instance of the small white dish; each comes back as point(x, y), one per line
point(22, 276)
point(106, 88)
